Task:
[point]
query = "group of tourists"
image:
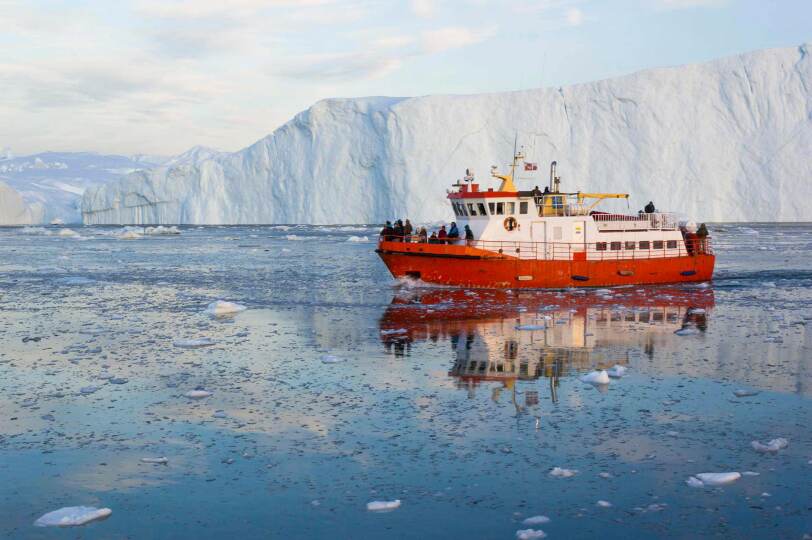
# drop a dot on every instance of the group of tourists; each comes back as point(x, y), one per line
point(405, 232)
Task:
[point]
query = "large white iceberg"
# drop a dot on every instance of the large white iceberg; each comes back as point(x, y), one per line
point(725, 140)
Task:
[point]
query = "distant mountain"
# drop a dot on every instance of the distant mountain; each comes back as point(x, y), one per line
point(725, 140)
point(49, 186)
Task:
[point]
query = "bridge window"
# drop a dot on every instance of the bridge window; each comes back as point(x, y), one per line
point(500, 209)
point(523, 207)
point(615, 246)
point(600, 246)
point(630, 245)
point(472, 209)
point(482, 211)
point(463, 211)
point(511, 208)
point(658, 244)
point(671, 244)
point(492, 207)
point(644, 244)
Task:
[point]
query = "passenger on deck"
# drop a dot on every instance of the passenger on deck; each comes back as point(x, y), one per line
point(442, 236)
point(536, 191)
point(546, 190)
point(408, 230)
point(649, 209)
point(453, 233)
point(398, 231)
point(702, 238)
point(469, 235)
point(433, 238)
point(423, 234)
point(387, 232)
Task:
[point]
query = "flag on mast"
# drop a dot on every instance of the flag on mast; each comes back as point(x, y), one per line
point(530, 166)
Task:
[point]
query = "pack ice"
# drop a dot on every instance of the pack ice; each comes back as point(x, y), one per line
point(690, 138)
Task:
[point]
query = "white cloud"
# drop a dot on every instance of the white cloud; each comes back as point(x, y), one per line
point(575, 17)
point(453, 37)
point(423, 8)
point(685, 4)
point(341, 67)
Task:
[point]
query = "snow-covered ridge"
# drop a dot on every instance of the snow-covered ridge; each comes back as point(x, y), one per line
point(727, 140)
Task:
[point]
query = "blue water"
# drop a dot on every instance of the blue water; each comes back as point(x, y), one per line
point(439, 400)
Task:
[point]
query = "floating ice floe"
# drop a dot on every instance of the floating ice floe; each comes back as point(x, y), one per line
point(770, 447)
point(596, 377)
point(220, 414)
point(72, 516)
point(713, 479)
point(745, 393)
point(687, 331)
point(88, 389)
point(529, 534)
point(118, 380)
point(750, 473)
point(604, 504)
point(383, 506)
point(530, 327)
point(617, 371)
point(197, 394)
point(76, 280)
point(331, 359)
point(129, 235)
point(563, 473)
point(221, 307)
point(156, 460)
point(393, 331)
point(536, 520)
point(67, 233)
point(358, 239)
point(194, 343)
point(161, 230)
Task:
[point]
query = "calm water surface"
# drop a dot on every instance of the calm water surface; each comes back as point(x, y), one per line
point(457, 402)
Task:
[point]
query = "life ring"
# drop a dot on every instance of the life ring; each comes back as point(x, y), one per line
point(510, 223)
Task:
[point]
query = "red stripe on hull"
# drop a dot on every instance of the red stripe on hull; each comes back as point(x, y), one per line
point(463, 267)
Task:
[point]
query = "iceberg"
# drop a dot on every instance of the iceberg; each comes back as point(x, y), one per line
point(691, 138)
point(72, 516)
point(596, 377)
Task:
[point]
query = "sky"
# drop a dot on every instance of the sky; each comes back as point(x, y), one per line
point(161, 76)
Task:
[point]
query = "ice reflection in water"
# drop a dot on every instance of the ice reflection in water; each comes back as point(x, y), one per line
point(458, 403)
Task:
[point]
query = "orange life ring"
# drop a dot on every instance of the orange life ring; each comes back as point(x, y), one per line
point(510, 223)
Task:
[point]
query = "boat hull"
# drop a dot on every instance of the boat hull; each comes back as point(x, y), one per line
point(463, 266)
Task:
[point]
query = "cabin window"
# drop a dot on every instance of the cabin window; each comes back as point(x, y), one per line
point(472, 209)
point(456, 209)
point(492, 208)
point(482, 211)
point(644, 244)
point(500, 209)
point(658, 244)
point(630, 245)
point(557, 233)
point(463, 211)
point(511, 208)
point(558, 201)
point(671, 244)
point(523, 207)
point(600, 246)
point(615, 246)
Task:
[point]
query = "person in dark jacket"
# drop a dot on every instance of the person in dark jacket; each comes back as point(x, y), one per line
point(424, 235)
point(433, 238)
point(702, 238)
point(387, 232)
point(650, 208)
point(453, 233)
point(408, 230)
point(398, 231)
point(442, 236)
point(469, 235)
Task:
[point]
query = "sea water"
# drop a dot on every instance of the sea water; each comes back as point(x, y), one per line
point(466, 406)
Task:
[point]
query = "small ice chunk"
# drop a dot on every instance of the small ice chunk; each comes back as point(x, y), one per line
point(687, 331)
point(129, 235)
point(383, 506)
point(194, 343)
point(220, 414)
point(221, 307)
point(604, 504)
point(72, 516)
point(563, 473)
point(718, 479)
point(161, 230)
point(197, 394)
point(358, 239)
point(530, 327)
point(393, 331)
point(536, 520)
point(617, 371)
point(158, 460)
point(745, 393)
point(529, 534)
point(118, 380)
point(331, 359)
point(772, 446)
point(605, 475)
point(88, 389)
point(750, 473)
point(68, 233)
point(596, 377)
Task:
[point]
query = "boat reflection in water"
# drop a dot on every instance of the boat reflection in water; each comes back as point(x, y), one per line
point(505, 338)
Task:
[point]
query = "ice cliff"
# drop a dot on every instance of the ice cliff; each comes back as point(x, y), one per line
point(728, 140)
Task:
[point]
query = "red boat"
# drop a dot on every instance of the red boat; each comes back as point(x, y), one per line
point(554, 239)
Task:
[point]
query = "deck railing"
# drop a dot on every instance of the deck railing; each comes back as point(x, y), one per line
point(663, 221)
point(563, 251)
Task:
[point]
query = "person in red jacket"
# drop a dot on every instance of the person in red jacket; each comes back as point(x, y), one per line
point(442, 236)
